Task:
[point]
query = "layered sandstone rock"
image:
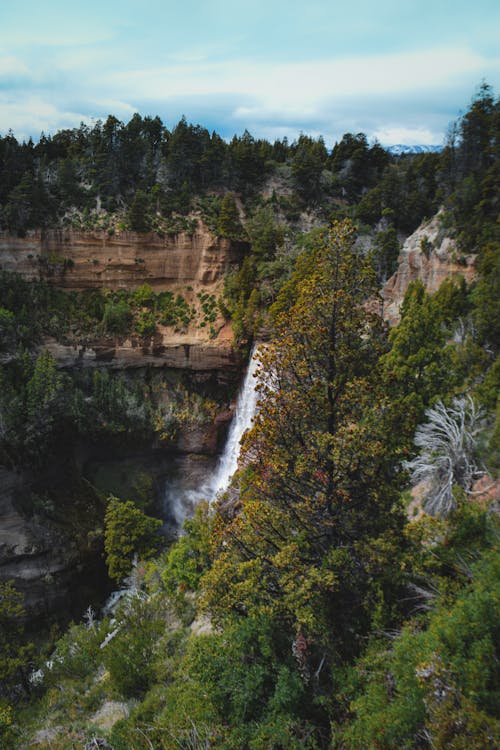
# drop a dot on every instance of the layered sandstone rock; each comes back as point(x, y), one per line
point(190, 354)
point(185, 263)
point(429, 255)
point(90, 260)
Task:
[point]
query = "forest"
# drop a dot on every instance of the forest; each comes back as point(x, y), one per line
point(319, 604)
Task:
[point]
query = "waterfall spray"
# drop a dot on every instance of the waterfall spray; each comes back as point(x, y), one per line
point(181, 501)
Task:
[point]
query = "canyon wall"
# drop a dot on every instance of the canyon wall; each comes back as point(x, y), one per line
point(429, 255)
point(58, 569)
point(76, 261)
point(124, 260)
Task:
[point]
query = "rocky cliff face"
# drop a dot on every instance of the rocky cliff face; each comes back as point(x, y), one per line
point(46, 561)
point(43, 561)
point(184, 262)
point(90, 260)
point(183, 352)
point(427, 255)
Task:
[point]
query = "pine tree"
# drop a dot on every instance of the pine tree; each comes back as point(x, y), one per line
point(317, 494)
point(229, 224)
point(138, 213)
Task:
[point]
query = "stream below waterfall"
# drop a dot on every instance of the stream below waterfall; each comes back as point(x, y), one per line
point(180, 500)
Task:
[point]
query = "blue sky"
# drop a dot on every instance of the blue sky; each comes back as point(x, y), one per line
point(398, 71)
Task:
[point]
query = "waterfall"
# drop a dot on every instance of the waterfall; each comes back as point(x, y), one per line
point(182, 501)
point(242, 421)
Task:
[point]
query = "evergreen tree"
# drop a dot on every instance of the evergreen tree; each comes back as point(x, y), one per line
point(317, 492)
point(138, 213)
point(128, 532)
point(229, 224)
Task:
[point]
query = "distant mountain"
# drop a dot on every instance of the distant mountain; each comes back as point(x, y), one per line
point(400, 149)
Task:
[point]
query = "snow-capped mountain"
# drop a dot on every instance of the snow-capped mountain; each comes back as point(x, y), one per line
point(399, 149)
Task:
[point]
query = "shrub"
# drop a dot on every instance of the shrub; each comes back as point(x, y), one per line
point(117, 317)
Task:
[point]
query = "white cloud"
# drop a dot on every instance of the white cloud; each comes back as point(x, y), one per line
point(372, 93)
point(390, 136)
point(12, 66)
point(33, 114)
point(286, 84)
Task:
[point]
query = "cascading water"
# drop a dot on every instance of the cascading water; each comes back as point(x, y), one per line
point(181, 501)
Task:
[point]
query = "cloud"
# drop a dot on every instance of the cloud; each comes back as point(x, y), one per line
point(281, 84)
point(32, 114)
point(11, 66)
point(388, 136)
point(408, 96)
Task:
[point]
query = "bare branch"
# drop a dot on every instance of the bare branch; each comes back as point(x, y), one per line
point(447, 442)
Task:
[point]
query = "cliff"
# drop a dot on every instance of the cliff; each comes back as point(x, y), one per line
point(186, 263)
point(191, 351)
point(90, 260)
point(429, 255)
point(42, 559)
point(54, 564)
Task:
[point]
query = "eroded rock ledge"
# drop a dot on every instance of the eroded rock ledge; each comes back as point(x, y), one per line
point(190, 354)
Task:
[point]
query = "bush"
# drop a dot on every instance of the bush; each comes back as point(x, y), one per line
point(128, 532)
point(117, 317)
point(145, 324)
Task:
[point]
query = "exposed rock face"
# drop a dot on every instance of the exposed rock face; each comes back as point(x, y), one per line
point(185, 352)
point(44, 562)
point(427, 255)
point(90, 260)
point(40, 559)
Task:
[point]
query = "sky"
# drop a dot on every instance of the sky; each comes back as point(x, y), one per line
point(398, 71)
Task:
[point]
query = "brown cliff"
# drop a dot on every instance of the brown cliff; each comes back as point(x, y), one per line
point(190, 351)
point(429, 255)
point(185, 263)
point(90, 260)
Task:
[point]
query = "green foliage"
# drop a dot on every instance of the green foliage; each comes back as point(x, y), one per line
point(357, 166)
point(441, 680)
point(486, 296)
point(417, 368)
point(234, 693)
point(115, 406)
point(386, 252)
point(77, 653)
point(314, 463)
point(128, 532)
point(138, 212)
point(265, 235)
point(7, 329)
point(472, 170)
point(408, 189)
point(451, 300)
point(117, 317)
point(145, 324)
point(33, 406)
point(307, 167)
point(43, 387)
point(229, 224)
point(189, 557)
point(14, 650)
point(8, 733)
point(131, 654)
point(143, 296)
point(174, 311)
point(238, 288)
